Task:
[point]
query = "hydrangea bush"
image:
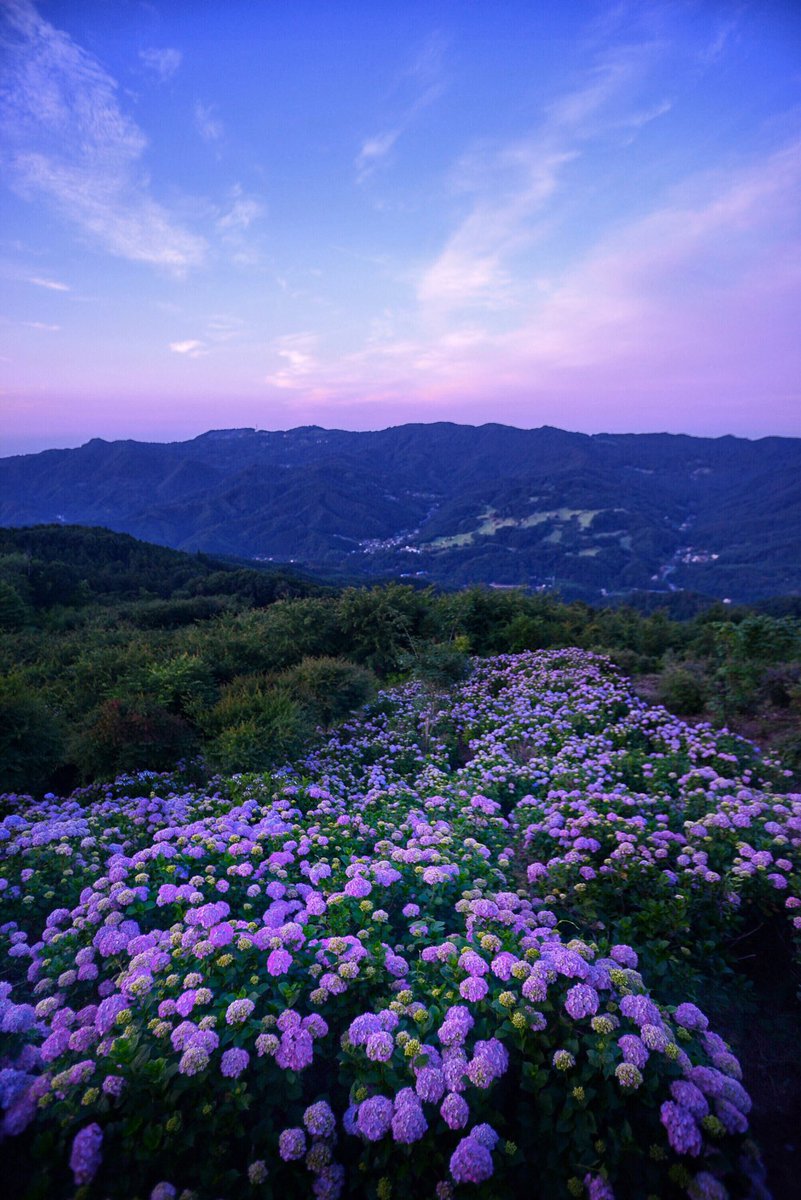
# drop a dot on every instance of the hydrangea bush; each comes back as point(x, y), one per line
point(438, 957)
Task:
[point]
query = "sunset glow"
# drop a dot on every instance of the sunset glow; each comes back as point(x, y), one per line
point(578, 214)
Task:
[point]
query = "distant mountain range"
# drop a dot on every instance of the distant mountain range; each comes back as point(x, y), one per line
point(453, 504)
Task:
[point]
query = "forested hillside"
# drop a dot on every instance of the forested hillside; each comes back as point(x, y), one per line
point(451, 504)
point(117, 656)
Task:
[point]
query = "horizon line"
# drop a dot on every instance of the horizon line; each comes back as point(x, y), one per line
point(252, 429)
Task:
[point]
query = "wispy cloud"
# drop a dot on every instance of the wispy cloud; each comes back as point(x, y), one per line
point(512, 186)
point(219, 329)
point(210, 127)
point(191, 347)
point(666, 276)
point(163, 63)
point(234, 226)
point(66, 140)
point(474, 266)
point(299, 365)
point(424, 78)
point(222, 327)
point(43, 326)
point(691, 303)
point(725, 33)
point(53, 285)
point(374, 149)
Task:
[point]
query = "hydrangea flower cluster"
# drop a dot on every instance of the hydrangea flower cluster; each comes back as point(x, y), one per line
point(395, 964)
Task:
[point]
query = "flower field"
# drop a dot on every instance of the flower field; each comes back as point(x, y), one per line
point(459, 950)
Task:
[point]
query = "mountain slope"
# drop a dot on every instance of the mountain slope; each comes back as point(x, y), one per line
point(451, 503)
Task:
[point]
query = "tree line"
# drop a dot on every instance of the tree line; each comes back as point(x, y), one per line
point(117, 656)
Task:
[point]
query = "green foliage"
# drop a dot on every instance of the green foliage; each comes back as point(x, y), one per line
point(30, 739)
point(744, 651)
point(682, 691)
point(183, 685)
point(55, 583)
point(438, 665)
point(133, 734)
point(89, 617)
point(172, 614)
point(378, 625)
point(328, 688)
point(255, 726)
point(13, 612)
point(525, 632)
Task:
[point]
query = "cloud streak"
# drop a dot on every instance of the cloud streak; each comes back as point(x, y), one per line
point(691, 304)
point(66, 141)
point(511, 186)
point(52, 285)
point(191, 347)
point(210, 127)
point(163, 63)
point(425, 74)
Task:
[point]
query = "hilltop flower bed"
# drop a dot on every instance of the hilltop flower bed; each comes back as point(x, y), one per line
point(381, 973)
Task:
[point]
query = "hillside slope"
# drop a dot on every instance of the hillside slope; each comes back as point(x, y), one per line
point(454, 504)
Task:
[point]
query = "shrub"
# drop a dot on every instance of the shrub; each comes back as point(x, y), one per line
point(127, 734)
point(682, 691)
point(13, 611)
point(31, 745)
point(254, 726)
point(779, 685)
point(329, 688)
point(438, 665)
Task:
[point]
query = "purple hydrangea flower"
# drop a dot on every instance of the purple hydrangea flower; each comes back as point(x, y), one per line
point(296, 1050)
point(690, 1097)
point(471, 1162)
point(691, 1017)
point(598, 1188)
point(163, 1191)
point(474, 988)
point(408, 1122)
point(319, 1119)
point(234, 1062)
point(239, 1011)
point(625, 956)
point(292, 1144)
point(374, 1118)
point(279, 962)
point(706, 1187)
point(430, 1084)
point(85, 1156)
point(486, 1135)
point(633, 1050)
point(683, 1133)
point(193, 1060)
point(380, 1046)
point(581, 1001)
point(455, 1111)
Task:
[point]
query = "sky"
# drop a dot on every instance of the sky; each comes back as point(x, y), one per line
point(356, 214)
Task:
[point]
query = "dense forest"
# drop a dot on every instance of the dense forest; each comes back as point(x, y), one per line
point(120, 656)
point(596, 516)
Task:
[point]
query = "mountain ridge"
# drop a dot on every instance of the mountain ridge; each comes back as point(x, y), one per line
point(593, 514)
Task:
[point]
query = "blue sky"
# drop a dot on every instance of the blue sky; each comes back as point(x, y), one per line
point(362, 213)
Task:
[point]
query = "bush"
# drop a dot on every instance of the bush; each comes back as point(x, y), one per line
point(255, 726)
point(183, 685)
point(129, 734)
point(438, 665)
point(30, 740)
point(779, 685)
point(13, 612)
point(682, 691)
point(329, 688)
